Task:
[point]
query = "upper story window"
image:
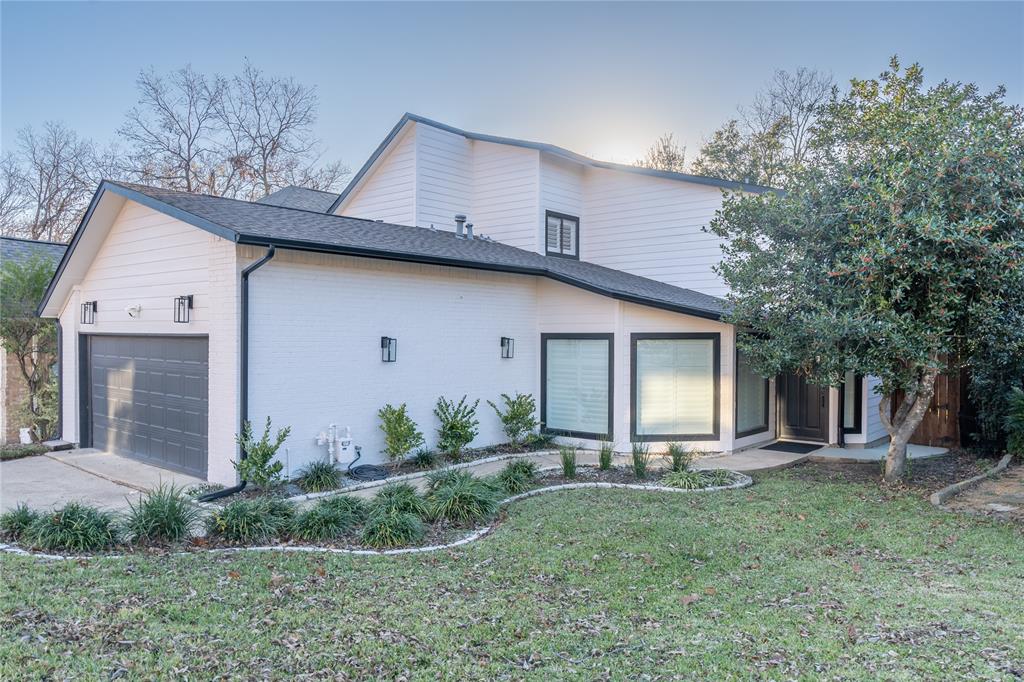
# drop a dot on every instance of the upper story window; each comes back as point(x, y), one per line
point(563, 235)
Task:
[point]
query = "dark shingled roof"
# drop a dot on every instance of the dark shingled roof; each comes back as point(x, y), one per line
point(302, 198)
point(21, 250)
point(262, 224)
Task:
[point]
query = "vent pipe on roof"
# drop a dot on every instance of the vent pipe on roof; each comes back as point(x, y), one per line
point(460, 220)
point(469, 230)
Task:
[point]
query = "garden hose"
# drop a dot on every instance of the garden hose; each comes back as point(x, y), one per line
point(365, 472)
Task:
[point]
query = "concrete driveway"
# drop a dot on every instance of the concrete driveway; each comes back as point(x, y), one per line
point(90, 476)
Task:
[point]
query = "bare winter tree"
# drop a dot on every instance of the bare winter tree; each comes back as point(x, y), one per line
point(789, 103)
point(664, 155)
point(55, 181)
point(172, 132)
point(12, 198)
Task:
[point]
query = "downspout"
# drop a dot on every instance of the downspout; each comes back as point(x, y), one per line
point(243, 368)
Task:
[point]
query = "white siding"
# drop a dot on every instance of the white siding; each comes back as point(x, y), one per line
point(505, 194)
point(561, 190)
point(389, 188)
point(444, 183)
point(652, 227)
point(873, 421)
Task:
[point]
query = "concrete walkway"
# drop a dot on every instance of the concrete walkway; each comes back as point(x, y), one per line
point(859, 455)
point(86, 475)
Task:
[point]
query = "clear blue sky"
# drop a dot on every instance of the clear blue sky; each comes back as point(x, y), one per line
point(600, 79)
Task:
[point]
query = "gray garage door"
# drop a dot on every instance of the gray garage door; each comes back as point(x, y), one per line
point(149, 399)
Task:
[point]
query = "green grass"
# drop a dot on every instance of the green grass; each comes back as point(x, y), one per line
point(8, 452)
point(784, 580)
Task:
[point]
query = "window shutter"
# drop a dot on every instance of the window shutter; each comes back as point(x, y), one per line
point(553, 236)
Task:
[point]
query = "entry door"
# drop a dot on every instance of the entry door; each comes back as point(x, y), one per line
point(803, 409)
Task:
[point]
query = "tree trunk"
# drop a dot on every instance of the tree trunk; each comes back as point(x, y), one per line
point(902, 426)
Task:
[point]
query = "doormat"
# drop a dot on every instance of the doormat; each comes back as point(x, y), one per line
point(798, 448)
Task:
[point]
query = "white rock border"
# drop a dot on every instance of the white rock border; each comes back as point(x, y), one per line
point(742, 481)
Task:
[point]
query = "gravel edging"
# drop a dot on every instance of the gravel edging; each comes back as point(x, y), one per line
point(940, 497)
point(742, 481)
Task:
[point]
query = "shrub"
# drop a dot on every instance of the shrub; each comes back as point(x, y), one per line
point(15, 522)
point(399, 497)
point(75, 528)
point(680, 455)
point(400, 433)
point(717, 477)
point(319, 476)
point(464, 500)
point(385, 529)
point(538, 440)
point(641, 460)
point(458, 425)
point(604, 455)
point(348, 504)
point(687, 480)
point(257, 466)
point(424, 458)
point(517, 476)
point(1013, 424)
point(517, 420)
point(324, 521)
point(18, 451)
point(436, 479)
point(568, 455)
point(251, 521)
point(165, 514)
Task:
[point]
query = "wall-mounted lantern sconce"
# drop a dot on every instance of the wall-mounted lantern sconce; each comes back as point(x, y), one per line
point(388, 349)
point(508, 347)
point(89, 312)
point(183, 308)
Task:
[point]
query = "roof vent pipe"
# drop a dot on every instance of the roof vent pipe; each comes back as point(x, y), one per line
point(469, 230)
point(460, 220)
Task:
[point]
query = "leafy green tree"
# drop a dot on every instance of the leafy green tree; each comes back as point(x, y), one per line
point(893, 250)
point(32, 340)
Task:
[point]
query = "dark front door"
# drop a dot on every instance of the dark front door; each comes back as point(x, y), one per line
point(803, 409)
point(148, 398)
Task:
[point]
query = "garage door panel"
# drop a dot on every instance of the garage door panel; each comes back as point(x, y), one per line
point(149, 399)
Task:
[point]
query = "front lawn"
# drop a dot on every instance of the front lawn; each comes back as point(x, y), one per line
point(787, 579)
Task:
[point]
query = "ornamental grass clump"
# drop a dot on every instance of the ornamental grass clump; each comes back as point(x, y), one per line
point(436, 479)
point(324, 521)
point(686, 480)
point(464, 500)
point(424, 458)
point(714, 478)
point(641, 460)
point(388, 528)
point(604, 455)
point(568, 455)
point(251, 521)
point(14, 523)
point(75, 528)
point(399, 498)
point(680, 455)
point(163, 515)
point(348, 504)
point(320, 476)
point(517, 476)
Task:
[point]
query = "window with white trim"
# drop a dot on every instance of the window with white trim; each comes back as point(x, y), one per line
point(563, 232)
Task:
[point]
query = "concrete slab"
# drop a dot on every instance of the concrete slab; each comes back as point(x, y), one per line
point(122, 470)
point(857, 455)
point(752, 461)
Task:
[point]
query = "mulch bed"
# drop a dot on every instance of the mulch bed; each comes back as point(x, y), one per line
point(1001, 497)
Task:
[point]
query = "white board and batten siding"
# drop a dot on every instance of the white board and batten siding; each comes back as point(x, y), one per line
point(148, 258)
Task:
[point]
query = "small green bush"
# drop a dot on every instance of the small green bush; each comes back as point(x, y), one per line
point(15, 522)
point(459, 425)
point(18, 451)
point(517, 419)
point(324, 521)
point(1014, 422)
point(319, 476)
point(568, 455)
point(680, 456)
point(717, 477)
point(400, 433)
point(424, 458)
point(348, 504)
point(604, 455)
point(399, 498)
point(687, 480)
point(446, 476)
point(251, 521)
point(75, 528)
point(390, 528)
point(464, 501)
point(641, 460)
point(258, 466)
point(517, 476)
point(165, 514)
point(538, 441)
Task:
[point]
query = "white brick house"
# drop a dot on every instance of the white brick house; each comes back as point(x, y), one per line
point(600, 273)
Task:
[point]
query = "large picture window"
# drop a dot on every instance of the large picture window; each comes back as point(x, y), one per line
point(751, 399)
point(563, 235)
point(576, 384)
point(675, 387)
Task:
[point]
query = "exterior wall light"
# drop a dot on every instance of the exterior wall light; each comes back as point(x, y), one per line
point(508, 347)
point(89, 312)
point(183, 309)
point(388, 349)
